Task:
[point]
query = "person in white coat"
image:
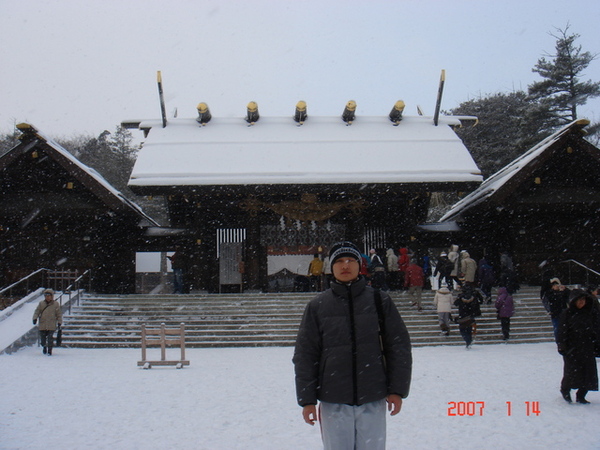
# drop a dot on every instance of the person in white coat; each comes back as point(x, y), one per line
point(392, 269)
point(454, 258)
point(443, 301)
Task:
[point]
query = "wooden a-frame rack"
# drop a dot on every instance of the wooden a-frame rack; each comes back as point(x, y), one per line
point(163, 337)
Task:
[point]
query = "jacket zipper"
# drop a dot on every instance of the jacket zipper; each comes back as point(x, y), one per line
point(353, 340)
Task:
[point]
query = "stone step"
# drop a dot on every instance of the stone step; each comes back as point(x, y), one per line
point(221, 320)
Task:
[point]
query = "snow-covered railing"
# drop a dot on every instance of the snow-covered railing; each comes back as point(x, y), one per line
point(26, 279)
point(588, 271)
point(49, 278)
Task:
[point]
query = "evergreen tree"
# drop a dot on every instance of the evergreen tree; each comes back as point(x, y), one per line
point(561, 91)
point(507, 127)
point(110, 154)
point(8, 141)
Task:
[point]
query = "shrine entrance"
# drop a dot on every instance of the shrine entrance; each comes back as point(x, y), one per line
point(291, 246)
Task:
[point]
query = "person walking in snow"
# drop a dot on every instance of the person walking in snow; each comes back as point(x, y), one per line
point(468, 268)
point(49, 315)
point(178, 264)
point(352, 356)
point(453, 257)
point(392, 269)
point(468, 309)
point(508, 274)
point(315, 271)
point(443, 300)
point(444, 268)
point(486, 279)
point(505, 309)
point(578, 341)
point(403, 261)
point(377, 271)
point(555, 301)
point(414, 278)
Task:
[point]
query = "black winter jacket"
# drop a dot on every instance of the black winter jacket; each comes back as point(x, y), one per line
point(468, 303)
point(556, 302)
point(578, 338)
point(338, 356)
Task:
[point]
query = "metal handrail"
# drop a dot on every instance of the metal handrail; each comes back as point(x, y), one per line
point(69, 289)
point(22, 280)
point(588, 270)
point(45, 271)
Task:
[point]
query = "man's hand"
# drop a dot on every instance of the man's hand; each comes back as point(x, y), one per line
point(309, 412)
point(394, 404)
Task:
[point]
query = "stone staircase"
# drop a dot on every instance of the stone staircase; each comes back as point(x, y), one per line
point(245, 320)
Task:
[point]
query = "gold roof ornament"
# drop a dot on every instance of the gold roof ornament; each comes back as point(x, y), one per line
point(396, 112)
point(348, 115)
point(252, 115)
point(300, 114)
point(203, 114)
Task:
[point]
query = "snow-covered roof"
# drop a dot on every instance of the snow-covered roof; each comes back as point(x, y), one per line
point(92, 174)
point(324, 150)
point(495, 182)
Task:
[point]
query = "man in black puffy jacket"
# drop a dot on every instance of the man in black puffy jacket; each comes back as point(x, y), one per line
point(352, 355)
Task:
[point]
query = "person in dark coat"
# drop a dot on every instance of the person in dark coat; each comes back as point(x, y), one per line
point(444, 268)
point(468, 303)
point(178, 264)
point(505, 309)
point(508, 274)
point(352, 355)
point(578, 340)
point(556, 300)
point(594, 290)
point(377, 271)
point(486, 278)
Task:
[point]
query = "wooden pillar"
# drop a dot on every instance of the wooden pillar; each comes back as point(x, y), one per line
point(255, 269)
point(355, 229)
point(206, 264)
point(205, 267)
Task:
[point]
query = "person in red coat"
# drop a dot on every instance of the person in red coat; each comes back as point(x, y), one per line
point(403, 262)
point(414, 278)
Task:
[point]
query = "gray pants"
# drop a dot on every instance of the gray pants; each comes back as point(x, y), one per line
point(415, 292)
point(47, 338)
point(346, 427)
point(444, 319)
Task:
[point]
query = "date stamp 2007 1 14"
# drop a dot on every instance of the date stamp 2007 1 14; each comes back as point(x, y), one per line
point(478, 408)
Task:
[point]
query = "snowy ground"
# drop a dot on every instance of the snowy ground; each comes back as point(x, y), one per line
point(242, 398)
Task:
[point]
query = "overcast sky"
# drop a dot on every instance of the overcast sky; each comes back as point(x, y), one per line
point(80, 67)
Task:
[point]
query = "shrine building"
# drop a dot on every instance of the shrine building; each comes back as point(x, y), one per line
point(542, 208)
point(258, 196)
point(59, 214)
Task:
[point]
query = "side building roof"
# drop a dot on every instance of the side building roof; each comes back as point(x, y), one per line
point(504, 182)
point(32, 139)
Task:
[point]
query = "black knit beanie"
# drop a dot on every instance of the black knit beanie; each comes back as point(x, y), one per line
point(345, 248)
